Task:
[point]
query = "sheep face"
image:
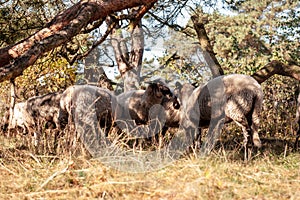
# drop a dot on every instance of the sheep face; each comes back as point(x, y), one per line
point(135, 105)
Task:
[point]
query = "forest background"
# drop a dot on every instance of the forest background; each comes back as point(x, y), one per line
point(158, 39)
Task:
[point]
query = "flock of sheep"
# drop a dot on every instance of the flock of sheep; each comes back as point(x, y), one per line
point(145, 113)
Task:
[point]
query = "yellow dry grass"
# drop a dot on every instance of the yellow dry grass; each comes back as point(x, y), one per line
point(219, 176)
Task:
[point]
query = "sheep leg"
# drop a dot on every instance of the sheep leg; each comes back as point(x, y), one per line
point(247, 154)
point(36, 139)
point(57, 135)
point(197, 142)
point(138, 144)
point(161, 136)
point(297, 139)
point(214, 131)
point(254, 124)
point(246, 130)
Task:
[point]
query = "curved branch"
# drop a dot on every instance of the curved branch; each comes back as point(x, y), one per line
point(277, 67)
point(16, 58)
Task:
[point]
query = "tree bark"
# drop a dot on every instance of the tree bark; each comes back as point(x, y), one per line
point(12, 103)
point(129, 63)
point(16, 58)
point(277, 67)
point(136, 58)
point(207, 49)
point(94, 73)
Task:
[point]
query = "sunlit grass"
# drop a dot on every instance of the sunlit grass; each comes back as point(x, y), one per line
point(218, 176)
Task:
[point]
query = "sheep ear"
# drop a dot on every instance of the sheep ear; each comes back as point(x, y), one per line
point(164, 90)
point(178, 85)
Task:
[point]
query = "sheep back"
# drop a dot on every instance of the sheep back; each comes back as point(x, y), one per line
point(78, 100)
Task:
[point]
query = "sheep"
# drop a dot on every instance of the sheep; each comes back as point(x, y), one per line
point(89, 107)
point(21, 118)
point(45, 108)
point(154, 107)
point(223, 99)
point(32, 113)
point(137, 104)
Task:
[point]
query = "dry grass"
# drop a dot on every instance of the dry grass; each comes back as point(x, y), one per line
point(219, 176)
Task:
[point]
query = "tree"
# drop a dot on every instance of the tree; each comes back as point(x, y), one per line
point(16, 58)
point(20, 19)
point(273, 67)
point(243, 48)
point(129, 62)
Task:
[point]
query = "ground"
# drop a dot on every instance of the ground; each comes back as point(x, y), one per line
point(221, 175)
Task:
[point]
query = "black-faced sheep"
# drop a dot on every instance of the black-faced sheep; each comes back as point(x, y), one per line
point(223, 99)
point(154, 107)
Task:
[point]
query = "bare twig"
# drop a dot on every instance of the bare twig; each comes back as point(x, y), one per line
point(10, 171)
point(53, 176)
point(102, 39)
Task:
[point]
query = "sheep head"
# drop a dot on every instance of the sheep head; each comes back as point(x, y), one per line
point(158, 93)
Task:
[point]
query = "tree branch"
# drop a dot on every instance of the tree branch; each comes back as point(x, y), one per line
point(139, 14)
point(16, 58)
point(277, 67)
point(273, 67)
point(102, 39)
point(95, 25)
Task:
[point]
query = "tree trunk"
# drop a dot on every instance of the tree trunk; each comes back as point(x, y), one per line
point(277, 67)
point(136, 58)
point(12, 103)
point(206, 48)
point(298, 122)
point(16, 58)
point(129, 63)
point(94, 73)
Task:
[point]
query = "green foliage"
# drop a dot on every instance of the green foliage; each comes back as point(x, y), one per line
point(19, 19)
point(48, 75)
point(244, 40)
point(187, 63)
point(247, 41)
point(279, 107)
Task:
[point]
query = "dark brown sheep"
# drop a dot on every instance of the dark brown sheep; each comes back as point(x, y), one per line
point(136, 104)
point(45, 108)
